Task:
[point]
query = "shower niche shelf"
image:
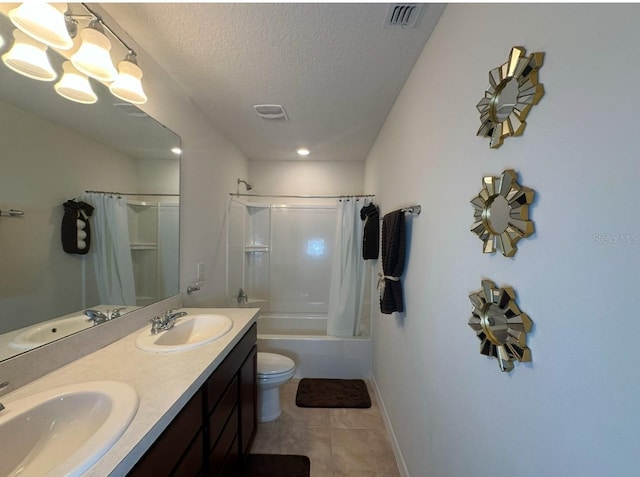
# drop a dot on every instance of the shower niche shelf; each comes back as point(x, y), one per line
point(143, 246)
point(256, 248)
point(248, 260)
point(153, 241)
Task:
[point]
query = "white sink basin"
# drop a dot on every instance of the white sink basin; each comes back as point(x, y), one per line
point(189, 332)
point(47, 332)
point(64, 431)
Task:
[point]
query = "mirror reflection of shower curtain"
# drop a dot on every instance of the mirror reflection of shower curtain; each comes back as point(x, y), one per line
point(111, 254)
point(346, 295)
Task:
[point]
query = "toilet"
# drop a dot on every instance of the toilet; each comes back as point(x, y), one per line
point(273, 371)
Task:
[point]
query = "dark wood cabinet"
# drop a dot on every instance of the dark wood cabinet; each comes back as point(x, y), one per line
point(248, 401)
point(214, 431)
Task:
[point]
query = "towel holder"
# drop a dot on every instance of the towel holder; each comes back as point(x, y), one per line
point(11, 213)
point(414, 209)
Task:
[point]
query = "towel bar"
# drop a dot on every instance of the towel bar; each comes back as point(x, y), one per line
point(414, 209)
point(11, 213)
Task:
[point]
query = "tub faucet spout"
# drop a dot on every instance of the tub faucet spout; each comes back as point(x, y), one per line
point(242, 296)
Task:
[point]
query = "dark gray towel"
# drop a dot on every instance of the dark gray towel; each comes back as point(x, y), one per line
point(393, 252)
point(371, 232)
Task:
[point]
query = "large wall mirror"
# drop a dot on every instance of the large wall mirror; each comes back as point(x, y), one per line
point(52, 151)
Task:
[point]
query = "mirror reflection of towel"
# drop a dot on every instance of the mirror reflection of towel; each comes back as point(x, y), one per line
point(76, 230)
point(393, 252)
point(371, 232)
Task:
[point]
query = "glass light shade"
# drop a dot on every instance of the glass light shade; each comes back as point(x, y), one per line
point(43, 22)
point(93, 58)
point(28, 57)
point(75, 86)
point(128, 84)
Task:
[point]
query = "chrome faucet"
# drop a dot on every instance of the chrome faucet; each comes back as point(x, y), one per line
point(100, 317)
point(166, 321)
point(115, 313)
point(96, 316)
point(242, 296)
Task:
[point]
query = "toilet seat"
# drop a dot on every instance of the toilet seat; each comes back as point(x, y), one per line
point(271, 365)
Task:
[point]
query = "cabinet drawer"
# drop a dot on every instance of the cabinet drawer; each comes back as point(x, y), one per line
point(217, 383)
point(191, 463)
point(227, 445)
point(220, 415)
point(231, 465)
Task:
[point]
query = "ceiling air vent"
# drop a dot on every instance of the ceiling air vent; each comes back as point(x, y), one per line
point(270, 111)
point(130, 110)
point(403, 15)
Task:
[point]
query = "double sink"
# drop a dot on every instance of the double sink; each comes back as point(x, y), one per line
point(66, 430)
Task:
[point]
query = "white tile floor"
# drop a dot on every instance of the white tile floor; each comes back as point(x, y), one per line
point(339, 442)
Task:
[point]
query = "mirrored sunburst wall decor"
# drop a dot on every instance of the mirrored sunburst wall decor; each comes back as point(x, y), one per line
point(500, 325)
point(501, 213)
point(513, 90)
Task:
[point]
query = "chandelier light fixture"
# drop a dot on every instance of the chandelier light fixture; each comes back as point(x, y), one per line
point(42, 26)
point(44, 22)
point(75, 85)
point(128, 84)
point(93, 58)
point(28, 57)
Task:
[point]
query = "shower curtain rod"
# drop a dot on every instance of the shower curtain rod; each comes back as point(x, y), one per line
point(280, 196)
point(129, 193)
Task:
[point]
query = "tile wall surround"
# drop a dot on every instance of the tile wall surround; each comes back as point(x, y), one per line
point(27, 367)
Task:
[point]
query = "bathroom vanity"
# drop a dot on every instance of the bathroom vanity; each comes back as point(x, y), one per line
point(197, 408)
point(214, 430)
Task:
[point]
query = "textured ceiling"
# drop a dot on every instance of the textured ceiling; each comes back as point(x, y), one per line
point(335, 68)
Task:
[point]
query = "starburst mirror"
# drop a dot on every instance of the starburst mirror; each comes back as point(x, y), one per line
point(513, 90)
point(501, 213)
point(500, 325)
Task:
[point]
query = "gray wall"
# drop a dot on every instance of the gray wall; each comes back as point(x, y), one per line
point(573, 410)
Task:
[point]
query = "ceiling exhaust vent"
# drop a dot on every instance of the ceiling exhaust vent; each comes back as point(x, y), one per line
point(270, 111)
point(130, 110)
point(403, 15)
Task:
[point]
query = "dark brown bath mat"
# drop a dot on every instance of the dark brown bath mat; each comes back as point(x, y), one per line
point(332, 393)
point(277, 465)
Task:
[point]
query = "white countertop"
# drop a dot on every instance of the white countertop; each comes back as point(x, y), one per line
point(164, 381)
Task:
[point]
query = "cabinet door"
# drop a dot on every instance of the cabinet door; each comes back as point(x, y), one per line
point(248, 400)
point(183, 437)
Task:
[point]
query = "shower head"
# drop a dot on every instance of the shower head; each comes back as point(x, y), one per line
point(246, 184)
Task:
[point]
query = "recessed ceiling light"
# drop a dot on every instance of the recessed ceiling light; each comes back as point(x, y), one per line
point(176, 150)
point(303, 151)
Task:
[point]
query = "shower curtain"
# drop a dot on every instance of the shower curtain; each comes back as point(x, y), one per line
point(111, 253)
point(346, 294)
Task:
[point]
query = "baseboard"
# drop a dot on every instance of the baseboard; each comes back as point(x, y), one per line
point(402, 467)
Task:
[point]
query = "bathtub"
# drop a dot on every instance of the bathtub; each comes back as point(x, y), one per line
point(304, 339)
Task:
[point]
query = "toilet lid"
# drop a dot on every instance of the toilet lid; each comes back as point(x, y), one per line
point(271, 363)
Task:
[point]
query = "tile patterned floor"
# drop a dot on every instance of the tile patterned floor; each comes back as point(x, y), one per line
point(339, 442)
